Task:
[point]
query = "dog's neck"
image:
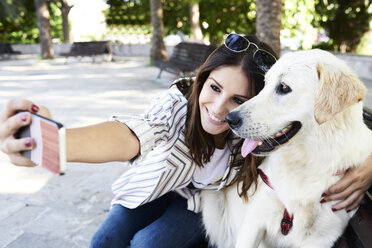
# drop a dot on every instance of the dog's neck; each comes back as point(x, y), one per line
point(310, 160)
point(330, 142)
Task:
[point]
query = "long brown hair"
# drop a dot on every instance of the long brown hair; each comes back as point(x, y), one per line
point(201, 143)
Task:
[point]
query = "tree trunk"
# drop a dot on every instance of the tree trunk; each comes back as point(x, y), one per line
point(65, 9)
point(268, 22)
point(195, 25)
point(44, 29)
point(158, 51)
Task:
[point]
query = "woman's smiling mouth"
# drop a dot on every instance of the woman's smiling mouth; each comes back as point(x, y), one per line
point(213, 119)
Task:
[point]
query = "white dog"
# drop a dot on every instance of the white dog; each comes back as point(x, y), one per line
point(308, 119)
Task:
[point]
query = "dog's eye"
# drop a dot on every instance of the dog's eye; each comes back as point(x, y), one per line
point(283, 88)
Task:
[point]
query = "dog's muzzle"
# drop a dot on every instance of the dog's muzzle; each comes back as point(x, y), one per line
point(234, 120)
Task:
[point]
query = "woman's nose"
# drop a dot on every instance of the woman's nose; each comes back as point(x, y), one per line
point(220, 106)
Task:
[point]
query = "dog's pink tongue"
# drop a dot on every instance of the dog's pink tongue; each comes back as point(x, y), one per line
point(248, 146)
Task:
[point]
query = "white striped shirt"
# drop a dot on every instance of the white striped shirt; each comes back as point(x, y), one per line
point(164, 163)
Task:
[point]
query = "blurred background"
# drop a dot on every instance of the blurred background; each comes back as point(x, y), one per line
point(337, 25)
point(41, 210)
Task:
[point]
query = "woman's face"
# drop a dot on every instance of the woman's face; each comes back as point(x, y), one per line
point(225, 89)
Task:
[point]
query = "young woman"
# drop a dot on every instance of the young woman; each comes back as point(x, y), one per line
point(178, 147)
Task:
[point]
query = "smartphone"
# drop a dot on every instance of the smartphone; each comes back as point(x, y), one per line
point(50, 137)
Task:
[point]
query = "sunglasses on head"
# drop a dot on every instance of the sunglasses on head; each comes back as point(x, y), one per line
point(238, 43)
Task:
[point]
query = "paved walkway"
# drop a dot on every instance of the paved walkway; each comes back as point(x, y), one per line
point(39, 209)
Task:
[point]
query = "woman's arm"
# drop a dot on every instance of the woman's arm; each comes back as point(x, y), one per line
point(109, 141)
point(351, 188)
point(104, 142)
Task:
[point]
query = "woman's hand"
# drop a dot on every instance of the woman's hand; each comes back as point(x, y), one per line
point(11, 122)
point(351, 188)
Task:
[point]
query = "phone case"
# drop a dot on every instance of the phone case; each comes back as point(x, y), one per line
point(50, 150)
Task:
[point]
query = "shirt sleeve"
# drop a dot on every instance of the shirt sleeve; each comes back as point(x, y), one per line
point(155, 125)
point(152, 173)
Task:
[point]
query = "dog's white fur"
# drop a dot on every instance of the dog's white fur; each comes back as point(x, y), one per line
point(327, 98)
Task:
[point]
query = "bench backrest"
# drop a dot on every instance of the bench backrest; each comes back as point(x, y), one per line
point(91, 47)
point(6, 48)
point(191, 53)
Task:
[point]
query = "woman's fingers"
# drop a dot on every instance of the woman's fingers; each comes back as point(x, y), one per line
point(350, 202)
point(11, 125)
point(43, 111)
point(333, 192)
point(356, 203)
point(19, 160)
point(17, 105)
point(11, 145)
point(14, 116)
point(350, 189)
point(341, 195)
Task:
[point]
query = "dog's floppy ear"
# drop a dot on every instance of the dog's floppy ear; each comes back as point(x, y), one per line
point(339, 88)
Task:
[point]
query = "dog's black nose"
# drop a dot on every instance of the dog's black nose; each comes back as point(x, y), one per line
point(234, 120)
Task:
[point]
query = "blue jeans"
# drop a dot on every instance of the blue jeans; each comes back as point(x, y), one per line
point(164, 222)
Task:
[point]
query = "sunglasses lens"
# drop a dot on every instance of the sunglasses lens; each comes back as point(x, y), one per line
point(236, 42)
point(264, 60)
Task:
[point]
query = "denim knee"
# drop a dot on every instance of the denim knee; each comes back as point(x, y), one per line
point(101, 240)
point(112, 232)
point(177, 227)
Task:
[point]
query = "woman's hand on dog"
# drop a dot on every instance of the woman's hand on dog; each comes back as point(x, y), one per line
point(15, 115)
point(350, 189)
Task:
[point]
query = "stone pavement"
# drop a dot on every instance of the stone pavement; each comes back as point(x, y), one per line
point(39, 209)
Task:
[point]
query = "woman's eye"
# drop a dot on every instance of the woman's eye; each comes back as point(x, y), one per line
point(283, 88)
point(215, 88)
point(238, 101)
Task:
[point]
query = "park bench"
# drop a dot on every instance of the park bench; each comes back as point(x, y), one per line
point(6, 50)
point(89, 49)
point(186, 58)
point(358, 232)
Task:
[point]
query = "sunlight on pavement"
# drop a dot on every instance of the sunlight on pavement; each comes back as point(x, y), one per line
point(21, 180)
point(77, 94)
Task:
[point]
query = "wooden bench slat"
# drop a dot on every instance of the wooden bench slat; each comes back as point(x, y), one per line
point(6, 49)
point(186, 58)
point(90, 48)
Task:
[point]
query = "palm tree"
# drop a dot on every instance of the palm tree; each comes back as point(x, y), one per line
point(158, 51)
point(268, 22)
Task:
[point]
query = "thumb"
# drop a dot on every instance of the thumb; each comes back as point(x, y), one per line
point(44, 112)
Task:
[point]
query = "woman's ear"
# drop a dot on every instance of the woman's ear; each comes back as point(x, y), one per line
point(338, 89)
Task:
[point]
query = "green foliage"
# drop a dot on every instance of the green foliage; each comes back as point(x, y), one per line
point(220, 17)
point(128, 12)
point(345, 21)
point(365, 45)
point(329, 46)
point(128, 29)
point(56, 31)
point(296, 21)
point(18, 21)
point(217, 17)
point(20, 27)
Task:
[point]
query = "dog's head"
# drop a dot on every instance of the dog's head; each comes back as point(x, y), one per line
point(302, 89)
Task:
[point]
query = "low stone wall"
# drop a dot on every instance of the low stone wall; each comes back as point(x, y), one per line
point(361, 64)
point(36, 49)
point(119, 50)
